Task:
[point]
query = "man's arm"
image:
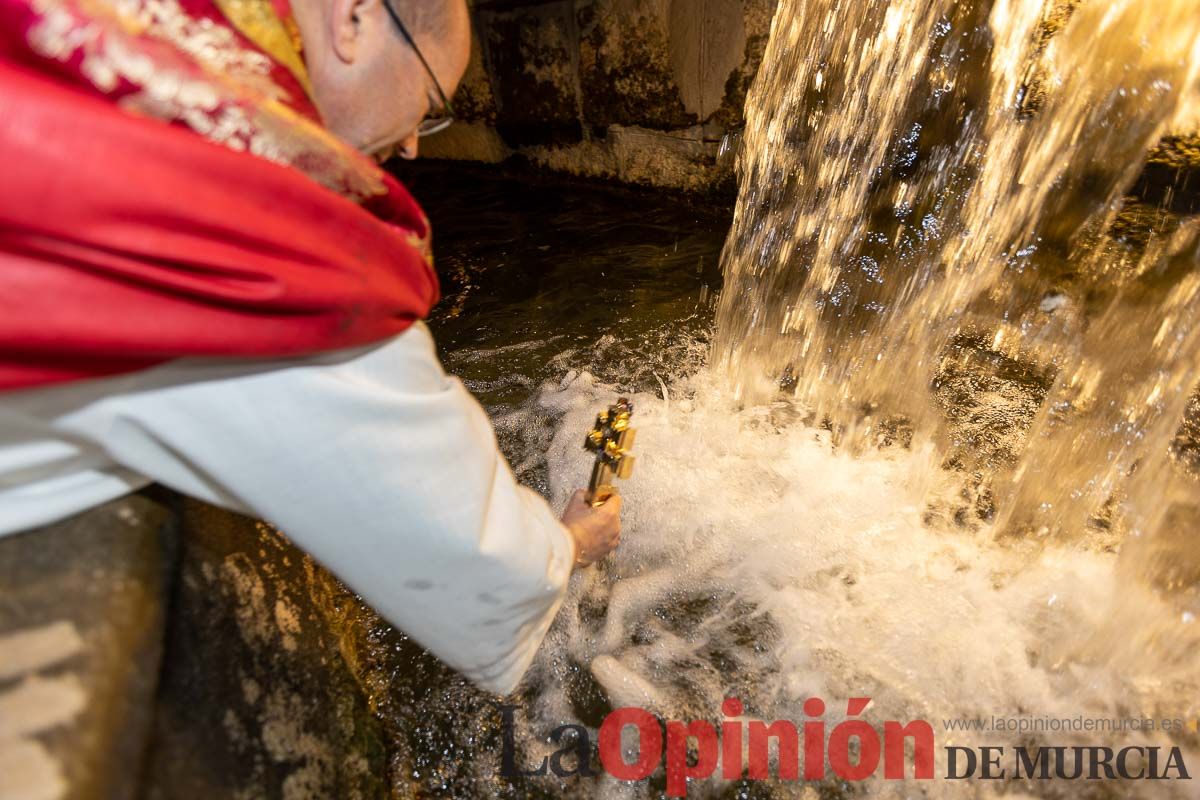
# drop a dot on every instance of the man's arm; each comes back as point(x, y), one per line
point(382, 467)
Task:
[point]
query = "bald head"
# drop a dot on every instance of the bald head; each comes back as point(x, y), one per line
point(431, 17)
point(368, 82)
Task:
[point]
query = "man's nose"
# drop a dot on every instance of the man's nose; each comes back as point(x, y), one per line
point(408, 147)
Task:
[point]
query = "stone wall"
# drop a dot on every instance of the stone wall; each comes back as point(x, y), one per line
point(158, 648)
point(259, 695)
point(639, 91)
point(83, 605)
point(643, 91)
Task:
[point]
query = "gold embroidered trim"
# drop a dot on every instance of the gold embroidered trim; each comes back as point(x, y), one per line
point(218, 88)
point(259, 23)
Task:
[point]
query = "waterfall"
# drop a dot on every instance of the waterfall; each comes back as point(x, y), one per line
point(916, 174)
point(935, 455)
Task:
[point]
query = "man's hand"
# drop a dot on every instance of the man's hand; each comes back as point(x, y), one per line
point(595, 529)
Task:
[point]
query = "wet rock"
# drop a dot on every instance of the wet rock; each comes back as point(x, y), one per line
point(1171, 177)
point(756, 28)
point(465, 140)
point(684, 160)
point(531, 59)
point(1186, 446)
point(989, 401)
point(637, 91)
point(82, 614)
point(626, 69)
point(1055, 17)
point(278, 682)
point(474, 99)
point(258, 698)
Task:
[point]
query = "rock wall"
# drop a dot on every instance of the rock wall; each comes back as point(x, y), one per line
point(640, 91)
point(258, 695)
point(83, 605)
point(644, 91)
point(278, 683)
point(156, 647)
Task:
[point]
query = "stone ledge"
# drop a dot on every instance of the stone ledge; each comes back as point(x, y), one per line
point(257, 699)
point(688, 160)
point(81, 624)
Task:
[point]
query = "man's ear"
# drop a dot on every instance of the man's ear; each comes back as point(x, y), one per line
point(347, 28)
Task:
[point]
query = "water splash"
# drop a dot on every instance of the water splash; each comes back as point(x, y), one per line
point(932, 205)
point(761, 561)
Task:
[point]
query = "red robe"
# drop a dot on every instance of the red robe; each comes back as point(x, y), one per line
point(136, 225)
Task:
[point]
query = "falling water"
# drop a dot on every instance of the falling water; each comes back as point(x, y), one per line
point(919, 173)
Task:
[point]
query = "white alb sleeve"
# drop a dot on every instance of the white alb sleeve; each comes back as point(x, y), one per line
point(376, 462)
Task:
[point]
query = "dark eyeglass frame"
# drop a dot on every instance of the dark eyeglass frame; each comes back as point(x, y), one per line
point(434, 124)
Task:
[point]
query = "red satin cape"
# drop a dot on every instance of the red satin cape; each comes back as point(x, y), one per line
point(126, 242)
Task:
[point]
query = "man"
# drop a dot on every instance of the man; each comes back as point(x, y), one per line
point(200, 286)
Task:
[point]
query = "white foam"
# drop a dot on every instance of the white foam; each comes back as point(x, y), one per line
point(758, 562)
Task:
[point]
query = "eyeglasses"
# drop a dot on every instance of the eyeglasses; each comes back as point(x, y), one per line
point(428, 125)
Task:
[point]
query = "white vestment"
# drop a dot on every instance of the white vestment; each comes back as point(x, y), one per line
point(373, 460)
